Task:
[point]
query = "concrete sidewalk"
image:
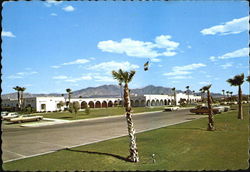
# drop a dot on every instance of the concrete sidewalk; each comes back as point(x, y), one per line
point(52, 121)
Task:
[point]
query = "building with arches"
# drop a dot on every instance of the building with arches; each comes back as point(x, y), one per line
point(49, 104)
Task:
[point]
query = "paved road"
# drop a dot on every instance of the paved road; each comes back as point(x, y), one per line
point(18, 143)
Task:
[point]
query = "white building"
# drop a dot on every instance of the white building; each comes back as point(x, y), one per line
point(46, 104)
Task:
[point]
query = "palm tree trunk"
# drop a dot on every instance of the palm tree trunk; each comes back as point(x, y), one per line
point(121, 96)
point(133, 157)
point(175, 103)
point(240, 111)
point(19, 100)
point(210, 113)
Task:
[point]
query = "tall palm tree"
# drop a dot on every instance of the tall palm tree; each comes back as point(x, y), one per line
point(22, 89)
point(17, 88)
point(211, 126)
point(126, 77)
point(231, 95)
point(187, 87)
point(238, 81)
point(227, 92)
point(223, 92)
point(68, 90)
point(175, 102)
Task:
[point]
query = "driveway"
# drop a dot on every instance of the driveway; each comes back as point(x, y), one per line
point(18, 143)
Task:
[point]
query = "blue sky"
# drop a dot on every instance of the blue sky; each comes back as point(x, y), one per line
point(50, 46)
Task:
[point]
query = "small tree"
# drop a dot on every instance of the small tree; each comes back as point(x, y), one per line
point(60, 105)
point(74, 107)
point(87, 110)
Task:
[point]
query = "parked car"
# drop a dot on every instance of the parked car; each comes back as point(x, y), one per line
point(222, 108)
point(203, 109)
point(4, 113)
point(26, 118)
point(10, 116)
point(171, 108)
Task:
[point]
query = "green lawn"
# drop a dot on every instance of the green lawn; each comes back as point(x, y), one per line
point(186, 146)
point(97, 113)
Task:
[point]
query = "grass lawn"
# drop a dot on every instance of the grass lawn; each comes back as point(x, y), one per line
point(186, 146)
point(97, 113)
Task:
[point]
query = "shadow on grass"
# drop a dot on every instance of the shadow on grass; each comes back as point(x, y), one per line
point(100, 153)
point(201, 129)
point(66, 117)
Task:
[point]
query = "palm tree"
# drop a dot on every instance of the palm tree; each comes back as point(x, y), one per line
point(68, 90)
point(211, 126)
point(227, 92)
point(187, 87)
point(238, 81)
point(173, 89)
point(248, 78)
point(223, 92)
point(22, 89)
point(231, 95)
point(17, 88)
point(126, 77)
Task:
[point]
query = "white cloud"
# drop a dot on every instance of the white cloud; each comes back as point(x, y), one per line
point(55, 67)
point(243, 52)
point(7, 34)
point(79, 79)
point(189, 46)
point(21, 75)
point(104, 79)
point(189, 67)
point(112, 65)
point(234, 26)
point(141, 49)
point(204, 83)
point(177, 73)
point(49, 3)
point(53, 14)
point(69, 8)
point(59, 77)
point(213, 58)
point(181, 77)
point(227, 65)
point(181, 72)
point(78, 61)
point(155, 60)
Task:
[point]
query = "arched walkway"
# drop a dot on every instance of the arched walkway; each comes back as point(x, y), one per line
point(137, 103)
point(153, 103)
point(169, 102)
point(157, 103)
point(98, 104)
point(110, 104)
point(91, 104)
point(104, 104)
point(132, 103)
point(116, 103)
point(84, 105)
point(165, 102)
point(148, 103)
point(161, 103)
point(143, 103)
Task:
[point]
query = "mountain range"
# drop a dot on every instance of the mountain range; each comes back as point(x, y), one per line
point(103, 91)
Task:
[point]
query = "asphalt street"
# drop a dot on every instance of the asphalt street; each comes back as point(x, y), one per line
point(18, 143)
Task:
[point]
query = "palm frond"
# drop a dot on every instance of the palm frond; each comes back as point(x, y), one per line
point(131, 75)
point(118, 76)
point(248, 78)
